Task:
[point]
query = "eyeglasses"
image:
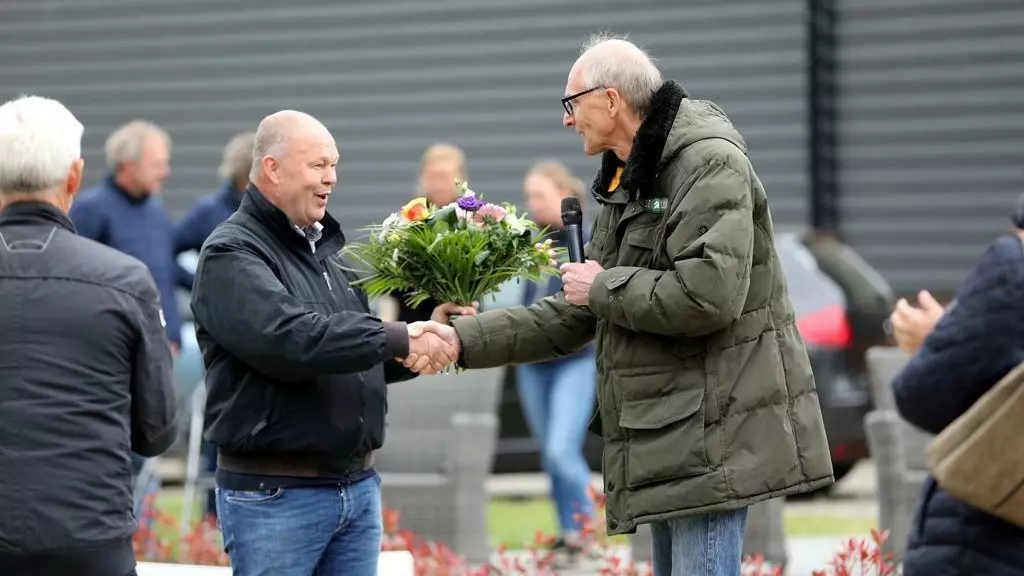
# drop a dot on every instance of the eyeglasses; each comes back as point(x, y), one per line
point(567, 101)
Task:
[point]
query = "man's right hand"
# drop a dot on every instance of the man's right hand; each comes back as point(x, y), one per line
point(432, 347)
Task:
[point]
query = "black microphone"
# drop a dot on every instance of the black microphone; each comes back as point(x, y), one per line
point(572, 221)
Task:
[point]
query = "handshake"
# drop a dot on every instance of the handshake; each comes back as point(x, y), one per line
point(434, 345)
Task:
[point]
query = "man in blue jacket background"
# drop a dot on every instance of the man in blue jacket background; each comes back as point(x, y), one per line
point(124, 211)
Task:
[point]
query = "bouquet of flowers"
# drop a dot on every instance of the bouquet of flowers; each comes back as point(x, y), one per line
point(457, 253)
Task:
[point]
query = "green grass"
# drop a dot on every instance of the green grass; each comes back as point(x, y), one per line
point(798, 524)
point(512, 522)
point(515, 523)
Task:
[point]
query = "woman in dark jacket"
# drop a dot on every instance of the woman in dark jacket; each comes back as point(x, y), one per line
point(979, 339)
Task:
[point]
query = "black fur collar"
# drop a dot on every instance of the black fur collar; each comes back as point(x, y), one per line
point(643, 163)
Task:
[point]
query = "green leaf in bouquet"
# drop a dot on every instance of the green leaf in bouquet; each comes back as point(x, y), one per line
point(440, 227)
point(435, 243)
point(416, 297)
point(481, 257)
point(448, 215)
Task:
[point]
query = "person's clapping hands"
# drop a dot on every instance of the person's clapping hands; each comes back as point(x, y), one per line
point(911, 325)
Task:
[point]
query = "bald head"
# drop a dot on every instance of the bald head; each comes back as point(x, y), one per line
point(276, 131)
point(294, 165)
point(617, 63)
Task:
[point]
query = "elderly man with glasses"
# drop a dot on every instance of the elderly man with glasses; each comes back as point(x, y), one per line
point(706, 399)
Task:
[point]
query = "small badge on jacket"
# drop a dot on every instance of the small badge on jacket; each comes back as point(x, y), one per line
point(656, 205)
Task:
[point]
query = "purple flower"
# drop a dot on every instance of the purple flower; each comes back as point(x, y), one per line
point(469, 202)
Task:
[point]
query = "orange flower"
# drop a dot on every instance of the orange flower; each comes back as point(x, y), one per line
point(416, 210)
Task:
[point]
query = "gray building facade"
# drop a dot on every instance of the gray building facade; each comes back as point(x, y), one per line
point(927, 125)
point(930, 141)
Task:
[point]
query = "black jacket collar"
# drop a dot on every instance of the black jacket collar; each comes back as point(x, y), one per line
point(34, 212)
point(641, 168)
point(257, 205)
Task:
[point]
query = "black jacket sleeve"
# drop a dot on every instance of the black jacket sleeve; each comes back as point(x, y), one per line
point(240, 302)
point(153, 411)
point(397, 372)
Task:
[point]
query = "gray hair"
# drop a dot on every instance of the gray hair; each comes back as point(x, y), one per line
point(39, 141)
point(612, 61)
point(237, 159)
point(125, 144)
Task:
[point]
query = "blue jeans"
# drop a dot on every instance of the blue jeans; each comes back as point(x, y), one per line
point(328, 531)
point(558, 400)
point(704, 545)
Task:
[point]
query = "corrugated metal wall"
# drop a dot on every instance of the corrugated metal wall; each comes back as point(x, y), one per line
point(931, 132)
point(392, 76)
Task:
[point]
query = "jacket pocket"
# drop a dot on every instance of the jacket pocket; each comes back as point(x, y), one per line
point(638, 245)
point(258, 417)
point(664, 437)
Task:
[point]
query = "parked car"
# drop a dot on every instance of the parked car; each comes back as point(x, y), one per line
point(842, 306)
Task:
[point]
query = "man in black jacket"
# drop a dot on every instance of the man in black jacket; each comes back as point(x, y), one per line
point(296, 368)
point(85, 365)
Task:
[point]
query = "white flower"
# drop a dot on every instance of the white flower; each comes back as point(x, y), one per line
point(389, 224)
point(515, 225)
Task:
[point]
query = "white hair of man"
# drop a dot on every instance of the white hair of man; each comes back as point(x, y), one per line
point(126, 143)
point(237, 160)
point(40, 139)
point(614, 62)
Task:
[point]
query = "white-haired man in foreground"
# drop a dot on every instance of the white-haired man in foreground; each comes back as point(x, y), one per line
point(85, 365)
point(706, 399)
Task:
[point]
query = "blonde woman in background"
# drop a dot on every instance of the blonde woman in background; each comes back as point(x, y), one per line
point(440, 165)
point(558, 396)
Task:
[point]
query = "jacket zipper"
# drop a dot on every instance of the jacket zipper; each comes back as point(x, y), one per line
point(317, 263)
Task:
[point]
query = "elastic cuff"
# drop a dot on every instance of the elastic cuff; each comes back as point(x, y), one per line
point(470, 333)
point(396, 339)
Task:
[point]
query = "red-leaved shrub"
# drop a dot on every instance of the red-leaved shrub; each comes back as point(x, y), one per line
point(202, 546)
